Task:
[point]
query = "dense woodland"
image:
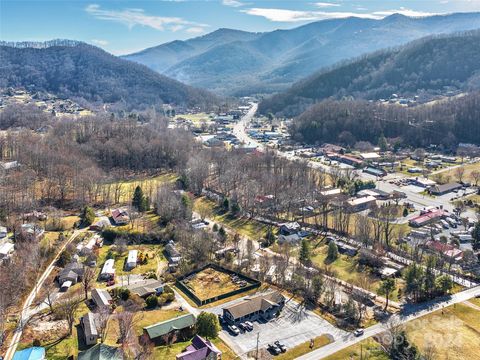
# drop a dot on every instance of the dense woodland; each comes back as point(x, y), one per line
point(432, 65)
point(445, 123)
point(82, 71)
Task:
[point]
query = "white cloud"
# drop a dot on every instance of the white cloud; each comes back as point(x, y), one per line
point(285, 15)
point(132, 17)
point(233, 3)
point(195, 30)
point(325, 4)
point(99, 42)
point(404, 11)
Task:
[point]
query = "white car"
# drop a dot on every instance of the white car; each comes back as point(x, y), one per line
point(358, 332)
point(234, 330)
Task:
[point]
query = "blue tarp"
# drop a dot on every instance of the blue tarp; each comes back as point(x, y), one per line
point(33, 353)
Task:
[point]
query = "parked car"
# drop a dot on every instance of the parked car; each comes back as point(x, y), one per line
point(273, 349)
point(250, 325)
point(221, 320)
point(281, 346)
point(243, 327)
point(233, 329)
point(358, 332)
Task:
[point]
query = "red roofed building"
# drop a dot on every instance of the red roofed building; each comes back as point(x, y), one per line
point(426, 218)
point(447, 250)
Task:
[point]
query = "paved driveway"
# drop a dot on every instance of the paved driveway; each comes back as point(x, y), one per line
point(294, 326)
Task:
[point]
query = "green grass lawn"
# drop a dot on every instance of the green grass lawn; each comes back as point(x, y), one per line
point(154, 256)
point(244, 226)
point(304, 348)
point(148, 185)
point(453, 331)
point(195, 118)
point(366, 349)
point(347, 269)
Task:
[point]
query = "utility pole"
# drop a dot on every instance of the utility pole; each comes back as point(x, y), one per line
point(258, 339)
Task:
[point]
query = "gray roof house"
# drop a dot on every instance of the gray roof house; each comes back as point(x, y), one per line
point(72, 272)
point(89, 328)
point(101, 297)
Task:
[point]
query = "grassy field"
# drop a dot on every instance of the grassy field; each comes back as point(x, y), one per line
point(305, 348)
point(154, 253)
point(366, 349)
point(149, 186)
point(210, 283)
point(347, 269)
point(454, 332)
point(244, 226)
point(450, 174)
point(195, 118)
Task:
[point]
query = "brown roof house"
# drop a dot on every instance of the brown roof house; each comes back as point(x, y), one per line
point(265, 306)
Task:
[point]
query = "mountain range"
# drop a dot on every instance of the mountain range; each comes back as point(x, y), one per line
point(77, 70)
point(242, 63)
point(433, 65)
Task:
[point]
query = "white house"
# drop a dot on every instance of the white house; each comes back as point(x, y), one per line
point(3, 232)
point(6, 250)
point(89, 328)
point(132, 259)
point(108, 270)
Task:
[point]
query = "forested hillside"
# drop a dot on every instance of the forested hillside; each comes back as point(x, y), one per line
point(445, 123)
point(431, 65)
point(241, 63)
point(86, 72)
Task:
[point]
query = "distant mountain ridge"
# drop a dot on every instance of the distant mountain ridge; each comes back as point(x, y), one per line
point(40, 44)
point(81, 71)
point(432, 64)
point(242, 63)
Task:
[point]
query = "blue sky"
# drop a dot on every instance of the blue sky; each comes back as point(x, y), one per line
point(122, 27)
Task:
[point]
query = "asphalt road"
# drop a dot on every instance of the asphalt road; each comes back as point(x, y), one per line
point(411, 312)
point(26, 311)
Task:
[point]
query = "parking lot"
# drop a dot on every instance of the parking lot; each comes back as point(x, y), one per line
point(294, 326)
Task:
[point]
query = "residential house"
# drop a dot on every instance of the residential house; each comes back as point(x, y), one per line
point(265, 306)
point(9, 165)
point(172, 253)
point(108, 270)
point(448, 251)
point(120, 216)
point(6, 250)
point(289, 228)
point(360, 204)
point(101, 298)
point(182, 327)
point(146, 287)
point(101, 352)
point(71, 272)
point(32, 232)
point(293, 239)
point(101, 223)
point(200, 349)
point(444, 189)
point(3, 232)
point(89, 328)
point(33, 353)
point(131, 259)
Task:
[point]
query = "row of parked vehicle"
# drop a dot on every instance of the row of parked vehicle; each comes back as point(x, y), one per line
point(245, 326)
point(276, 348)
